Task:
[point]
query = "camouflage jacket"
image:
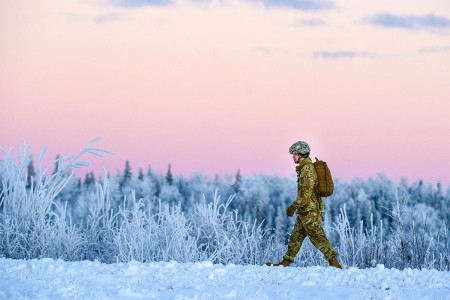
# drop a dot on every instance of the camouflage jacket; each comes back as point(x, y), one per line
point(307, 198)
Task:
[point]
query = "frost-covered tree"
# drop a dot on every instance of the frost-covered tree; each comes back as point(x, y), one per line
point(140, 174)
point(126, 178)
point(31, 173)
point(237, 182)
point(169, 176)
point(89, 179)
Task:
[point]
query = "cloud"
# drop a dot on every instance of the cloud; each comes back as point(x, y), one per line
point(300, 4)
point(267, 51)
point(310, 23)
point(100, 19)
point(308, 5)
point(107, 18)
point(429, 50)
point(339, 54)
point(410, 22)
point(139, 3)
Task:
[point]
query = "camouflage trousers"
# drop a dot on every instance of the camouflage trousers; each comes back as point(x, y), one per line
point(309, 225)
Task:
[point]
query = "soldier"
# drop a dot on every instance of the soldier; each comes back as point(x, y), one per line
point(309, 207)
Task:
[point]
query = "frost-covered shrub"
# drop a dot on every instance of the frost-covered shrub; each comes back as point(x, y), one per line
point(223, 238)
point(210, 233)
point(410, 243)
point(358, 246)
point(100, 229)
point(31, 226)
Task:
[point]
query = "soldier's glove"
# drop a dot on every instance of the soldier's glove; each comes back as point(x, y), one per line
point(291, 210)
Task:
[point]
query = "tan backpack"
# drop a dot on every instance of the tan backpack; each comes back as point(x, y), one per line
point(325, 185)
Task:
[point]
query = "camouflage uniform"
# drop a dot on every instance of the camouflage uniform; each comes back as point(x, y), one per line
point(310, 210)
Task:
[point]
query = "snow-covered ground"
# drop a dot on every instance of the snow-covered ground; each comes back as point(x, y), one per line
point(56, 279)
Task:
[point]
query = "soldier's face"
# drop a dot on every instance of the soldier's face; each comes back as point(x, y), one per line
point(296, 158)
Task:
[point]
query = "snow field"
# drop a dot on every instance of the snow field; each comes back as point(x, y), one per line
point(56, 279)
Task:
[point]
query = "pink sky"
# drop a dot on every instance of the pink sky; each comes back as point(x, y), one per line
point(212, 87)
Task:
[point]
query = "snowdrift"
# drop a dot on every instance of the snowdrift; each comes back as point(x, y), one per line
point(56, 279)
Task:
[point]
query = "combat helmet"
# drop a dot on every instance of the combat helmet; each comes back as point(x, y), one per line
point(301, 148)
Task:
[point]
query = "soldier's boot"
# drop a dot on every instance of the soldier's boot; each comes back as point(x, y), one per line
point(285, 263)
point(334, 263)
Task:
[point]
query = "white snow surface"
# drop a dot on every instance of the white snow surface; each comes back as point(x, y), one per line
point(57, 279)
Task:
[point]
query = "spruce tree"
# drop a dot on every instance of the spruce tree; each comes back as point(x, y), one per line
point(126, 175)
point(169, 176)
point(89, 179)
point(141, 174)
point(237, 182)
point(31, 174)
